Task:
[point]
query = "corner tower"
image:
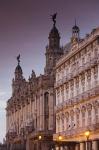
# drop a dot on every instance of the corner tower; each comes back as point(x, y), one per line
point(53, 50)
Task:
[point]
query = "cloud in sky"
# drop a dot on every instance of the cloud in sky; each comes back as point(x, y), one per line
point(3, 98)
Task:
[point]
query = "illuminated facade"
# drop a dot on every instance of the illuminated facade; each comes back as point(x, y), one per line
point(77, 92)
point(30, 110)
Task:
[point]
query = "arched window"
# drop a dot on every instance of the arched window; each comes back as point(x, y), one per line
point(46, 109)
point(57, 124)
point(62, 93)
point(62, 121)
point(67, 120)
point(96, 109)
point(77, 117)
point(72, 119)
point(46, 98)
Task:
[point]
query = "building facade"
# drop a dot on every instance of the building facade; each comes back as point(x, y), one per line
point(77, 93)
point(30, 118)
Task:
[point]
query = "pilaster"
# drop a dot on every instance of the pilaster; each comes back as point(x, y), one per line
point(95, 145)
point(82, 146)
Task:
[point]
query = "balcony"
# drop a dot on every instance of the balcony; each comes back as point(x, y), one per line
point(78, 99)
point(77, 71)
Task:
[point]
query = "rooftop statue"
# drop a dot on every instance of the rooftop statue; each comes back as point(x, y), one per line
point(54, 18)
point(18, 59)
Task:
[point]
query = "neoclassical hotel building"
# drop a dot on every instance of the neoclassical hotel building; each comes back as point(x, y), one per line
point(77, 93)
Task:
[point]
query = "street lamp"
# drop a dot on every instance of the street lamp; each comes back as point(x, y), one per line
point(87, 134)
point(60, 139)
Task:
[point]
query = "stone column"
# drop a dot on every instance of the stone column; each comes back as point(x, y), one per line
point(77, 147)
point(94, 145)
point(29, 144)
point(82, 146)
point(57, 148)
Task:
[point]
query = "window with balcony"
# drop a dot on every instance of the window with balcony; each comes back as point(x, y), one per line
point(96, 115)
point(46, 109)
point(71, 88)
point(83, 119)
point(89, 79)
point(89, 114)
point(83, 82)
point(77, 85)
point(72, 119)
point(67, 120)
point(57, 96)
point(67, 91)
point(62, 120)
point(89, 117)
point(95, 74)
point(62, 93)
point(77, 117)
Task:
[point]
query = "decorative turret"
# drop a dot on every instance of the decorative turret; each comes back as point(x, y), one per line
point(18, 70)
point(75, 33)
point(53, 50)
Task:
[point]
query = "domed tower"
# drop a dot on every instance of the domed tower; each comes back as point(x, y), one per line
point(53, 50)
point(18, 80)
point(75, 33)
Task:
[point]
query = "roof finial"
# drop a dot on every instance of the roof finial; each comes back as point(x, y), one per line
point(18, 59)
point(75, 21)
point(54, 18)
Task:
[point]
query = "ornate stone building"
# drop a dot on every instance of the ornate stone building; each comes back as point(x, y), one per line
point(77, 93)
point(30, 110)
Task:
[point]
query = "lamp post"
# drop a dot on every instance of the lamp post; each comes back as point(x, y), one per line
point(87, 134)
point(60, 139)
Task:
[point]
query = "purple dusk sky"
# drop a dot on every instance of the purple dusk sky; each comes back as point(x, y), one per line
point(24, 29)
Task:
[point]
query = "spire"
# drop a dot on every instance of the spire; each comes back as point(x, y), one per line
point(75, 21)
point(75, 33)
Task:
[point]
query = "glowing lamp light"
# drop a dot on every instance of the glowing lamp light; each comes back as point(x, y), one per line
point(87, 134)
point(40, 137)
point(60, 138)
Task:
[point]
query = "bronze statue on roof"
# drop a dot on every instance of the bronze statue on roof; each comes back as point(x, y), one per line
point(18, 59)
point(54, 18)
